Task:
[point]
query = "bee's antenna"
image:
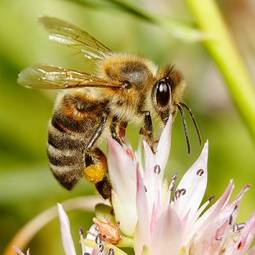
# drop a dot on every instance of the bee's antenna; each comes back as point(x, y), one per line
point(194, 121)
point(184, 123)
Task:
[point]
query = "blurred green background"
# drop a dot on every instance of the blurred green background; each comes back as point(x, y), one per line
point(26, 184)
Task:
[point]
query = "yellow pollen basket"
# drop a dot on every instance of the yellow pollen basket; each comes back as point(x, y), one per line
point(95, 173)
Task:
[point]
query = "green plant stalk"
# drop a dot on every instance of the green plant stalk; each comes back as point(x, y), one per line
point(175, 28)
point(224, 53)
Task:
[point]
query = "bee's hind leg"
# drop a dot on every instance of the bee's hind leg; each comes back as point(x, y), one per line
point(96, 172)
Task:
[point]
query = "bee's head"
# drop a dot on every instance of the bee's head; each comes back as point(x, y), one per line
point(167, 92)
point(166, 98)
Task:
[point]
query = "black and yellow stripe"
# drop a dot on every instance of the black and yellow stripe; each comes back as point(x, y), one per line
point(70, 132)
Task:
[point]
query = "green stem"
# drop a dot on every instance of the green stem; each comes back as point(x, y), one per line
point(126, 242)
point(175, 28)
point(226, 57)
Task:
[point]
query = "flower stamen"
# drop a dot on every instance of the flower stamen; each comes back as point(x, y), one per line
point(111, 251)
point(200, 172)
point(179, 193)
point(157, 169)
point(238, 227)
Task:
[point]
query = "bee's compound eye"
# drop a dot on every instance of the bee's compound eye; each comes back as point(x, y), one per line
point(162, 93)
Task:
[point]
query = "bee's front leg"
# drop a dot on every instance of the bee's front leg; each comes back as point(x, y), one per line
point(118, 130)
point(147, 130)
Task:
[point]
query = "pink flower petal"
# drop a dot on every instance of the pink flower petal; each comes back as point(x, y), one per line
point(65, 232)
point(237, 201)
point(122, 172)
point(139, 154)
point(122, 169)
point(167, 236)
point(251, 251)
point(220, 227)
point(246, 237)
point(220, 204)
point(204, 223)
point(142, 235)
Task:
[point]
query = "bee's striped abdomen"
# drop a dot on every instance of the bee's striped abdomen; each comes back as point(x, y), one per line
point(69, 134)
point(65, 156)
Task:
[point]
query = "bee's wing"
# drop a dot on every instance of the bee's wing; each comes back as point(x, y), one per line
point(52, 77)
point(71, 35)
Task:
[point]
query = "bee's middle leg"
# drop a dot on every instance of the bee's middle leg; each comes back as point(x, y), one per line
point(96, 171)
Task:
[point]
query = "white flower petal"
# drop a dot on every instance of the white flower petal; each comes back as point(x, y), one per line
point(92, 235)
point(192, 187)
point(151, 178)
point(164, 145)
point(149, 159)
point(251, 251)
point(125, 214)
point(139, 154)
point(65, 232)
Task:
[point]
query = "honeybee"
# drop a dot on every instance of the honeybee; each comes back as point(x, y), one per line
point(125, 89)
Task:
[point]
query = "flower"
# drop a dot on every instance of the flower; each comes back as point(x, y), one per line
point(156, 216)
point(91, 245)
point(65, 232)
point(123, 165)
point(165, 219)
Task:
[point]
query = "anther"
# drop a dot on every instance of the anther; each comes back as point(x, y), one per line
point(218, 238)
point(200, 172)
point(210, 199)
point(145, 188)
point(111, 251)
point(238, 227)
point(101, 248)
point(179, 192)
point(239, 246)
point(172, 183)
point(81, 231)
point(230, 221)
point(98, 239)
point(157, 169)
